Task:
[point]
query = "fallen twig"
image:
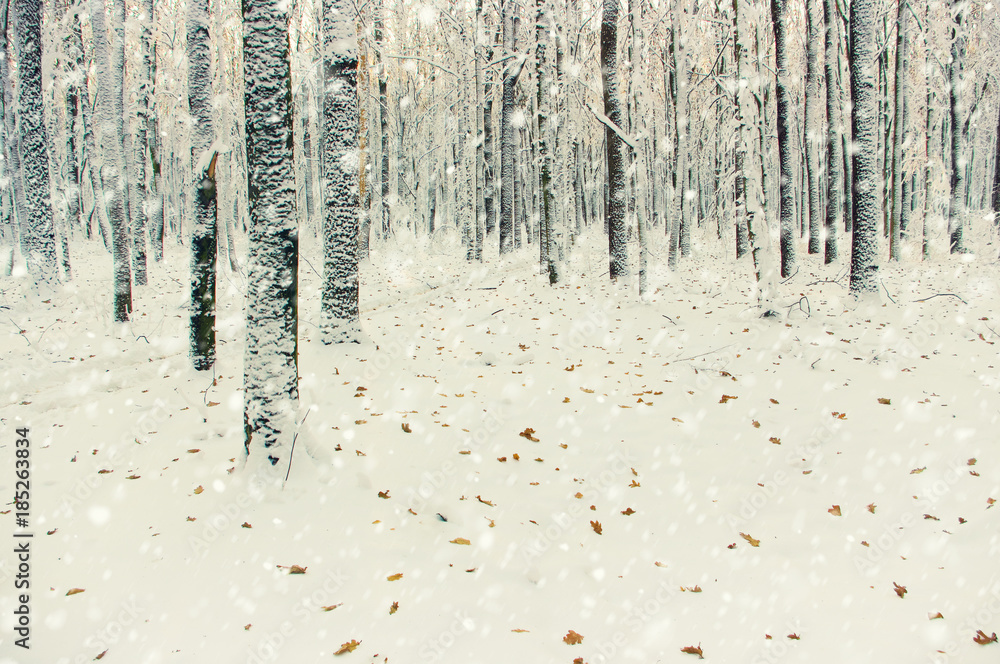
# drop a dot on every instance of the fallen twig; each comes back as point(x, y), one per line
point(940, 295)
point(703, 354)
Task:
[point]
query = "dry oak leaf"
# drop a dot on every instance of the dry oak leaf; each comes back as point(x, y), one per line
point(935, 616)
point(394, 577)
point(693, 589)
point(755, 423)
point(406, 427)
point(659, 564)
point(384, 494)
point(982, 639)
point(198, 489)
point(246, 524)
point(775, 440)
point(529, 434)
point(694, 650)
point(794, 637)
point(917, 471)
point(871, 507)
point(628, 511)
point(101, 656)
point(296, 569)
point(572, 638)
point(332, 607)
point(835, 510)
point(753, 542)
point(350, 646)
point(393, 608)
point(519, 630)
point(74, 591)
point(884, 401)
point(596, 525)
point(900, 590)
point(460, 540)
point(588, 391)
point(727, 397)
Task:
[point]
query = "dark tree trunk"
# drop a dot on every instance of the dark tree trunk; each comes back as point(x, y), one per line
point(617, 247)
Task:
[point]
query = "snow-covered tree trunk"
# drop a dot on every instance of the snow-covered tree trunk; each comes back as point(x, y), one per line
point(543, 80)
point(899, 130)
point(38, 242)
point(204, 226)
point(996, 174)
point(956, 107)
point(383, 123)
point(834, 152)
point(615, 204)
point(112, 169)
point(271, 357)
point(813, 120)
point(340, 322)
point(786, 205)
point(864, 130)
point(508, 141)
point(642, 111)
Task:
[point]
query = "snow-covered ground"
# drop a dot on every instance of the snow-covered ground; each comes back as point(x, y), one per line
point(507, 465)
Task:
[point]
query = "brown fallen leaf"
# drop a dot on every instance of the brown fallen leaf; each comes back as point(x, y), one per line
point(393, 608)
point(135, 477)
point(917, 471)
point(753, 542)
point(900, 590)
point(572, 638)
point(835, 510)
point(774, 401)
point(982, 639)
point(755, 423)
point(691, 589)
point(406, 427)
point(935, 616)
point(247, 626)
point(212, 403)
point(694, 650)
point(588, 391)
point(727, 397)
point(74, 591)
point(794, 637)
point(871, 507)
point(295, 569)
point(101, 656)
point(198, 489)
point(384, 494)
point(191, 518)
point(518, 630)
point(332, 606)
point(484, 502)
point(628, 511)
point(350, 646)
point(971, 462)
point(775, 440)
point(659, 564)
point(884, 401)
point(528, 433)
point(394, 577)
point(596, 525)
point(461, 540)
point(246, 524)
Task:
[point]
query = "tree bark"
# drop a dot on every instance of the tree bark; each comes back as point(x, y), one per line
point(864, 131)
point(957, 201)
point(899, 132)
point(271, 356)
point(786, 207)
point(813, 120)
point(834, 153)
point(617, 248)
point(340, 320)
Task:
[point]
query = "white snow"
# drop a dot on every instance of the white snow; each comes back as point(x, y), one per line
point(701, 421)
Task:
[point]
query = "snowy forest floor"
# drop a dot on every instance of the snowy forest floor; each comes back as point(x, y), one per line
point(652, 476)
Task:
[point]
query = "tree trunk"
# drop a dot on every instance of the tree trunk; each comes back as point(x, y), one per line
point(271, 356)
point(899, 132)
point(111, 122)
point(617, 247)
point(834, 153)
point(38, 242)
point(957, 202)
point(996, 174)
point(204, 227)
point(786, 207)
point(383, 119)
point(508, 145)
point(340, 320)
point(813, 120)
point(864, 130)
